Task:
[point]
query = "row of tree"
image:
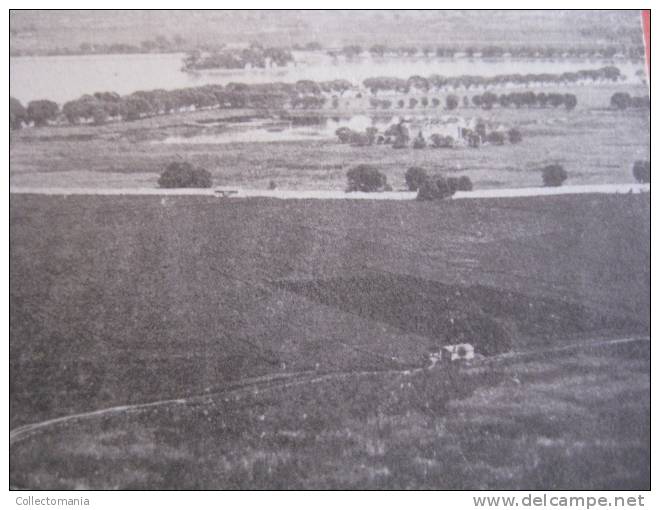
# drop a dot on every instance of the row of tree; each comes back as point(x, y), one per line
point(367, 178)
point(529, 99)
point(398, 136)
point(623, 100)
point(438, 82)
point(485, 101)
point(255, 56)
point(102, 106)
point(492, 51)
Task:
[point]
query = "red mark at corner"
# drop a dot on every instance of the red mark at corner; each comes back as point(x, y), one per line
point(646, 28)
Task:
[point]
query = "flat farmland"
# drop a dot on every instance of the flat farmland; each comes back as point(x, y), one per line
point(594, 143)
point(128, 300)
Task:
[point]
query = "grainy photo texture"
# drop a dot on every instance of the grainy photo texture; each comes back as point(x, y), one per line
point(329, 250)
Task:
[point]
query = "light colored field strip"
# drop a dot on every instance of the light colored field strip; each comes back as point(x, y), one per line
point(292, 379)
point(339, 195)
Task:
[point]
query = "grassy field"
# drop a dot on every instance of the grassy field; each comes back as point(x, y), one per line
point(596, 145)
point(128, 300)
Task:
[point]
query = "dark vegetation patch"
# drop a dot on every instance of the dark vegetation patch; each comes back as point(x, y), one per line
point(486, 317)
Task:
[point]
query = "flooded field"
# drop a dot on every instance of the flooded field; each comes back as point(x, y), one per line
point(63, 78)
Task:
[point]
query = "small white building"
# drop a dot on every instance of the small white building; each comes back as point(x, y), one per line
point(452, 353)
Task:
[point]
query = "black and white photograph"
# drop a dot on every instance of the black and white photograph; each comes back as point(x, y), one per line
point(329, 250)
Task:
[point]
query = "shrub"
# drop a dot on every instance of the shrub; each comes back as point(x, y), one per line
point(620, 100)
point(434, 190)
point(553, 175)
point(419, 142)
point(515, 136)
point(428, 191)
point(495, 138)
point(344, 134)
point(570, 101)
point(365, 178)
point(452, 182)
point(415, 177)
point(642, 171)
point(439, 141)
point(17, 113)
point(42, 111)
point(184, 175)
point(464, 183)
point(272, 185)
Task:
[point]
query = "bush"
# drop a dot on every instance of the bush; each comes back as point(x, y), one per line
point(620, 100)
point(434, 190)
point(419, 142)
point(642, 171)
point(554, 175)
point(570, 101)
point(415, 177)
point(495, 138)
point(515, 136)
point(272, 185)
point(17, 113)
point(42, 111)
point(464, 183)
point(452, 182)
point(365, 178)
point(441, 142)
point(184, 175)
point(451, 103)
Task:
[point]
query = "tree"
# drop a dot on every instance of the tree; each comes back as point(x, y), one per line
point(412, 103)
point(515, 136)
point(352, 50)
point(181, 174)
point(17, 114)
point(378, 50)
point(495, 138)
point(441, 142)
point(451, 103)
point(42, 111)
point(570, 101)
point(434, 190)
point(344, 134)
point(464, 183)
point(415, 177)
point(553, 175)
point(365, 178)
point(620, 100)
point(419, 142)
point(642, 171)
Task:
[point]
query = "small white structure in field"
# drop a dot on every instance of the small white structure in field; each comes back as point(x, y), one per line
point(452, 353)
point(458, 352)
point(220, 192)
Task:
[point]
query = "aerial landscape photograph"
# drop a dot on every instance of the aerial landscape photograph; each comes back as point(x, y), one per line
point(329, 249)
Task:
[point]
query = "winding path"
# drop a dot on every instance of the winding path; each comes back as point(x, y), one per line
point(287, 380)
